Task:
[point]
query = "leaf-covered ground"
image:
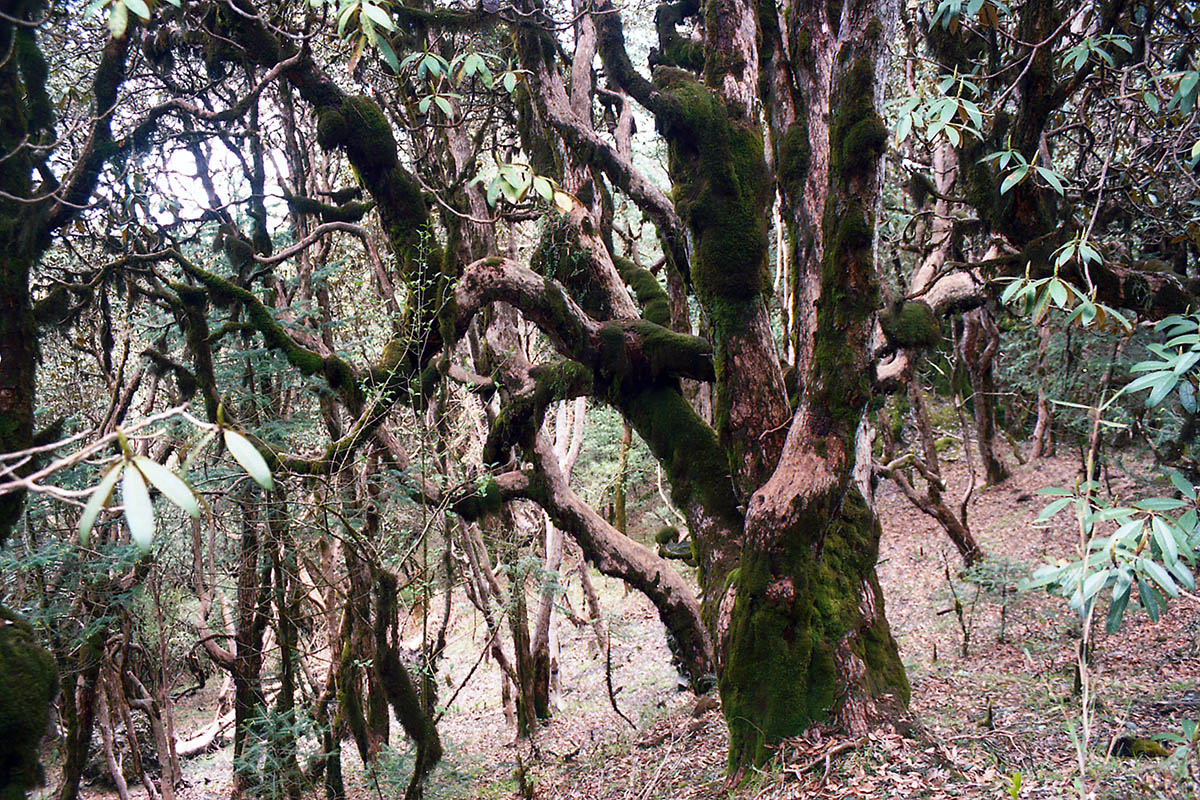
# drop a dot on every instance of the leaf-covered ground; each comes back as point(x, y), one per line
point(999, 709)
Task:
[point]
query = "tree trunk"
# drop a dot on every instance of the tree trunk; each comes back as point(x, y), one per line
point(18, 359)
point(979, 346)
point(523, 659)
point(28, 684)
point(1043, 427)
point(403, 697)
point(802, 630)
point(248, 701)
point(104, 723)
point(287, 777)
point(568, 439)
point(79, 712)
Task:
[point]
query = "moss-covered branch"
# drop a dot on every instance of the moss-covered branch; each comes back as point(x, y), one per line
point(619, 351)
point(610, 43)
point(522, 415)
point(79, 185)
point(350, 211)
point(656, 305)
point(341, 376)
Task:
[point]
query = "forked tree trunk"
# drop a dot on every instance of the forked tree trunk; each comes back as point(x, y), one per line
point(803, 634)
point(787, 569)
point(411, 704)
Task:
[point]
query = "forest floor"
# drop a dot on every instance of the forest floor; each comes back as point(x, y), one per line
point(989, 712)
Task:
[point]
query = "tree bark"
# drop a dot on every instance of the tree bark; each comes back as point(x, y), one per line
point(79, 712)
point(802, 631)
point(1043, 426)
point(248, 701)
point(979, 347)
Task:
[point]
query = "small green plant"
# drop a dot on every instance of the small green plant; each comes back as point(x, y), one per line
point(1152, 543)
point(1014, 785)
point(1186, 757)
point(270, 759)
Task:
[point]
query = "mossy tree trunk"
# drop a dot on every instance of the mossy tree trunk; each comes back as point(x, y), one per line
point(790, 589)
point(20, 247)
point(28, 684)
point(805, 604)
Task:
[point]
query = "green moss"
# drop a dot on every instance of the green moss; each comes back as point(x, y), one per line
point(53, 308)
point(545, 157)
point(656, 305)
point(795, 151)
point(613, 365)
point(394, 354)
point(679, 52)
point(239, 252)
point(863, 144)
point(920, 188)
point(351, 211)
point(560, 257)
point(845, 569)
point(358, 126)
point(849, 285)
point(723, 192)
point(34, 72)
point(688, 449)
point(794, 608)
point(340, 376)
point(521, 418)
point(666, 351)
point(331, 129)
point(337, 372)
point(667, 534)
point(721, 189)
point(1137, 291)
point(368, 140)
point(911, 324)
point(802, 43)
point(981, 189)
point(28, 684)
point(764, 688)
